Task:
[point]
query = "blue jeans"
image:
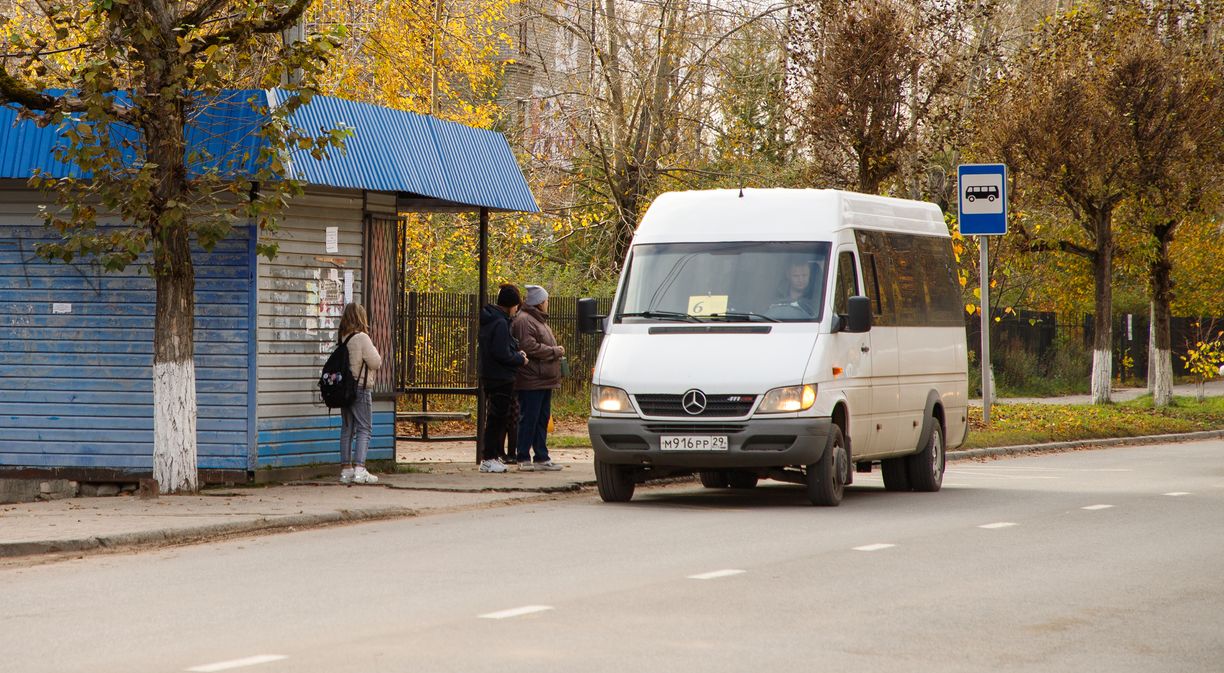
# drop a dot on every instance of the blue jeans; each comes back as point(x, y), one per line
point(535, 408)
point(355, 427)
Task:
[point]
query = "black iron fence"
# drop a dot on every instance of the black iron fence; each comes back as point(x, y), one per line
point(437, 333)
point(437, 337)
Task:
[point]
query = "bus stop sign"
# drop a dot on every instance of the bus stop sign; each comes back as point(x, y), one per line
point(982, 195)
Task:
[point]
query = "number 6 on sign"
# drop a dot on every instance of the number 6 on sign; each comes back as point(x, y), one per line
point(706, 304)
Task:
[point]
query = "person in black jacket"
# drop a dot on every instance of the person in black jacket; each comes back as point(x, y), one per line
point(500, 359)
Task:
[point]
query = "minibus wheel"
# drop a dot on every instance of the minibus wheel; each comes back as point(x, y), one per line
point(615, 482)
point(741, 479)
point(826, 478)
point(713, 478)
point(926, 468)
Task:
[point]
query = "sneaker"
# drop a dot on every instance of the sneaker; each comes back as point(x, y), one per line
point(361, 476)
point(491, 466)
point(547, 466)
point(346, 475)
point(527, 466)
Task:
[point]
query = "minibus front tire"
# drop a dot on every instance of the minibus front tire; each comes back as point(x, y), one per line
point(615, 482)
point(826, 478)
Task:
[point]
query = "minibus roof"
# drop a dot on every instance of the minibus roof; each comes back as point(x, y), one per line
point(780, 215)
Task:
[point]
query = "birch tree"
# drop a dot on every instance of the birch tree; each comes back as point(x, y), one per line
point(135, 76)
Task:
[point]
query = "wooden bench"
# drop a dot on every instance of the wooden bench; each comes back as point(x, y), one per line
point(424, 416)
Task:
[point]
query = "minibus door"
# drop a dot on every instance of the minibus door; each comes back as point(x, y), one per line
point(852, 354)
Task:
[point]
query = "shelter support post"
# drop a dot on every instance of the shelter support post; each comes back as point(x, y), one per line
point(484, 299)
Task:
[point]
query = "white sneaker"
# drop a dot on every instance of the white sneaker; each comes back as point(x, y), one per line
point(492, 466)
point(547, 466)
point(346, 475)
point(362, 476)
point(527, 466)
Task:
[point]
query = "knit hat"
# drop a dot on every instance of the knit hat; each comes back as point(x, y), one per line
point(508, 296)
point(536, 295)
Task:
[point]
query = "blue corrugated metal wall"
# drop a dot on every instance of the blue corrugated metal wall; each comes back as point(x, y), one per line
point(286, 442)
point(76, 387)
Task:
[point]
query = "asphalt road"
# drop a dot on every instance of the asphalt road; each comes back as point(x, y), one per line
point(1106, 560)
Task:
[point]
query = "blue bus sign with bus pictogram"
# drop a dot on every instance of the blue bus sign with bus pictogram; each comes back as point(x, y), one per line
point(982, 198)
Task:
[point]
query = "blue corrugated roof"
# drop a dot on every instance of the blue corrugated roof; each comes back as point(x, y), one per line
point(389, 151)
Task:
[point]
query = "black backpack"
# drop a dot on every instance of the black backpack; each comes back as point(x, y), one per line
point(337, 384)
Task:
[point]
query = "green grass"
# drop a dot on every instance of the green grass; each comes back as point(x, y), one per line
point(1016, 424)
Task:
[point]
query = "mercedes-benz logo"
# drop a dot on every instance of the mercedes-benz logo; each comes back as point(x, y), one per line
point(693, 402)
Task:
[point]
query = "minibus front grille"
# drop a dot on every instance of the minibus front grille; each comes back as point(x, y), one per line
point(695, 428)
point(728, 406)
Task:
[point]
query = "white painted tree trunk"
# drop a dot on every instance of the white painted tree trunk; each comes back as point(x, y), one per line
point(174, 426)
point(1102, 376)
point(1162, 370)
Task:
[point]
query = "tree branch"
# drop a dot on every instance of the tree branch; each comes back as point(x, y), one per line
point(243, 29)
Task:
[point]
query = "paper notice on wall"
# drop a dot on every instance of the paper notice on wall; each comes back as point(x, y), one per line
point(348, 286)
point(61, 308)
point(333, 239)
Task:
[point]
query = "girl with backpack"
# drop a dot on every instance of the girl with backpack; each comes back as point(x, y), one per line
point(356, 420)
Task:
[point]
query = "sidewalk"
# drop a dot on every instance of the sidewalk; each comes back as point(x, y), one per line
point(440, 485)
point(1213, 388)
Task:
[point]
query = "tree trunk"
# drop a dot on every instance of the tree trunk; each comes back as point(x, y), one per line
point(1102, 343)
point(174, 385)
point(1161, 355)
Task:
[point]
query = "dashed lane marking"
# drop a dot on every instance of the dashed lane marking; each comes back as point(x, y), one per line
point(1175, 494)
point(874, 547)
point(716, 574)
point(516, 612)
point(238, 663)
point(998, 524)
point(1097, 507)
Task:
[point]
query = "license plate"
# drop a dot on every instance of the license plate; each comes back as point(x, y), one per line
point(693, 442)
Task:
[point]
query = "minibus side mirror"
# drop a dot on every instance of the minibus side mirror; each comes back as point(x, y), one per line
point(860, 315)
point(588, 321)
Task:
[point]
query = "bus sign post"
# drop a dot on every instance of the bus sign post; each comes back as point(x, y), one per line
point(982, 208)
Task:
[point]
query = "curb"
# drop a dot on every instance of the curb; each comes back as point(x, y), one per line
point(199, 533)
point(9, 550)
point(1052, 447)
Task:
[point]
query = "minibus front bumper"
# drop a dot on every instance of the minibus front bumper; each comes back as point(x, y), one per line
point(752, 443)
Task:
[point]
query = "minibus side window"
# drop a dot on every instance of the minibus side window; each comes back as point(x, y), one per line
point(847, 283)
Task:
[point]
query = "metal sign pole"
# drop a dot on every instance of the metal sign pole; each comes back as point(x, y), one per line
point(985, 314)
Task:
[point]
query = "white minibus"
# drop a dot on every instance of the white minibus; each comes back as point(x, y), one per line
point(792, 334)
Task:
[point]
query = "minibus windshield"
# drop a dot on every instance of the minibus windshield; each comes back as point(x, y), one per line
point(743, 281)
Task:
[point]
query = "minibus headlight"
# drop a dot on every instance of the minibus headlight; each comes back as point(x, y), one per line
point(790, 398)
point(609, 399)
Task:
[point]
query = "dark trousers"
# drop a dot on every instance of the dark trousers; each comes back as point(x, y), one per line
point(536, 408)
point(499, 398)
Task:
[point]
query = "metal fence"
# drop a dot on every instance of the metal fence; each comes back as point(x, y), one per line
point(437, 337)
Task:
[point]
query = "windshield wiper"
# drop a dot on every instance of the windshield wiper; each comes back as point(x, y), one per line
point(742, 315)
point(660, 315)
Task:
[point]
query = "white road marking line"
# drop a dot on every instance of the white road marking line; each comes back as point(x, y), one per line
point(1177, 493)
point(1000, 524)
point(516, 612)
point(1097, 507)
point(874, 547)
point(238, 663)
point(716, 574)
